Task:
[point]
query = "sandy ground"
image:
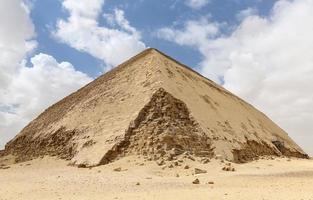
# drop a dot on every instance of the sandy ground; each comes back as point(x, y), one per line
point(49, 178)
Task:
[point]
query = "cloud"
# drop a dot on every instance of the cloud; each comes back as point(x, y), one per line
point(34, 89)
point(198, 34)
point(194, 33)
point(82, 31)
point(25, 91)
point(267, 61)
point(196, 4)
point(246, 13)
point(15, 41)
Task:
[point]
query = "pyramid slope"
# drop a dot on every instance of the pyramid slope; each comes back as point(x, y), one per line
point(232, 124)
point(100, 122)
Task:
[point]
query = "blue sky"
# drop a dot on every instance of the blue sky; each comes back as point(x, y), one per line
point(261, 50)
point(147, 17)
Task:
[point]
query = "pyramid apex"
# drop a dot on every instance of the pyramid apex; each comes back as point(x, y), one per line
point(152, 50)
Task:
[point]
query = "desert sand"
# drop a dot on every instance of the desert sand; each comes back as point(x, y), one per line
point(136, 178)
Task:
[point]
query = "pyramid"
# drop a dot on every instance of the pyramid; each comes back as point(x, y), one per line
point(151, 105)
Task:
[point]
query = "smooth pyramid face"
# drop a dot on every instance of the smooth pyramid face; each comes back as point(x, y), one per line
point(153, 106)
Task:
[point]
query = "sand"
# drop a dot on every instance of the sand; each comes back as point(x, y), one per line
point(52, 178)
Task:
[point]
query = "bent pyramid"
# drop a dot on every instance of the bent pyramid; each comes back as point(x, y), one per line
point(150, 105)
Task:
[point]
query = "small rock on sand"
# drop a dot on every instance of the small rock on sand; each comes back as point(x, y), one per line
point(191, 158)
point(200, 171)
point(117, 169)
point(4, 167)
point(79, 166)
point(205, 160)
point(196, 181)
point(161, 162)
point(228, 168)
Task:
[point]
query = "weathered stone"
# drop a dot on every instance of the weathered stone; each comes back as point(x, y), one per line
point(205, 160)
point(5, 167)
point(196, 181)
point(161, 162)
point(186, 167)
point(117, 169)
point(200, 171)
point(228, 168)
point(191, 158)
point(82, 165)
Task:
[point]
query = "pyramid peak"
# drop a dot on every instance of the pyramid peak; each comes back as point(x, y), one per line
point(160, 54)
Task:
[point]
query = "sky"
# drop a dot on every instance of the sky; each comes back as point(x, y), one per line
point(261, 50)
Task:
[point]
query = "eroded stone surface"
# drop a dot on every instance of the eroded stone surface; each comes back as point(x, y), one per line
point(252, 150)
point(163, 128)
point(59, 143)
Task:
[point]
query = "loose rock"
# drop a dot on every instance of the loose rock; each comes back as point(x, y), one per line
point(200, 171)
point(205, 160)
point(191, 158)
point(117, 169)
point(161, 162)
point(228, 168)
point(186, 167)
point(196, 181)
point(4, 167)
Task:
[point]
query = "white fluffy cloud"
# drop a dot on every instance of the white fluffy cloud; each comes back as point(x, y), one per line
point(195, 33)
point(15, 41)
point(82, 31)
point(246, 13)
point(196, 4)
point(35, 88)
point(26, 90)
point(267, 61)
